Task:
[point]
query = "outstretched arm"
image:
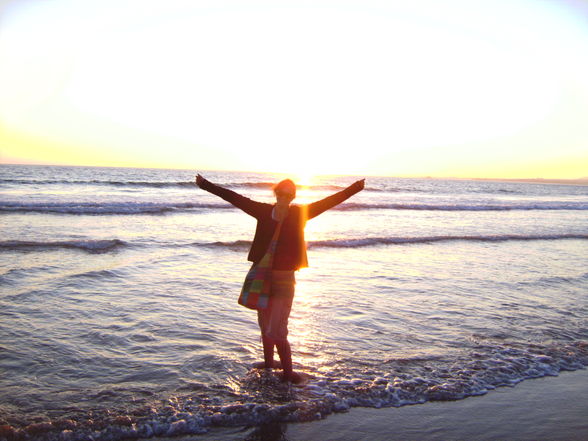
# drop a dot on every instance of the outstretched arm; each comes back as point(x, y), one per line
point(247, 205)
point(329, 202)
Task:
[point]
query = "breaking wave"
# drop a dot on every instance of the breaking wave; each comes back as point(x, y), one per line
point(265, 400)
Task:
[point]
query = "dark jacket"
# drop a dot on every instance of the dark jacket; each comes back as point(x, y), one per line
point(291, 249)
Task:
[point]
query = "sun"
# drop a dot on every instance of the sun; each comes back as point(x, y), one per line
point(307, 167)
point(304, 179)
point(302, 172)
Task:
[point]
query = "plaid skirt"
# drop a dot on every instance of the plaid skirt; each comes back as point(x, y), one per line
point(273, 320)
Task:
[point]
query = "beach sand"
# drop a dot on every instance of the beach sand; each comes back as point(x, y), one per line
point(549, 408)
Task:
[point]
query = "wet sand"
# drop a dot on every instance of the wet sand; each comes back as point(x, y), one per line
point(544, 409)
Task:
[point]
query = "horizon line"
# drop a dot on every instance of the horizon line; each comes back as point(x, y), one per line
point(579, 180)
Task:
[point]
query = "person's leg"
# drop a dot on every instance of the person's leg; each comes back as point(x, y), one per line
point(285, 354)
point(273, 322)
point(268, 351)
point(263, 319)
point(278, 332)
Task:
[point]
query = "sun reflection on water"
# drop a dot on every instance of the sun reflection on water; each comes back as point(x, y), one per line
point(306, 337)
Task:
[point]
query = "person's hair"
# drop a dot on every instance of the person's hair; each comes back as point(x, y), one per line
point(286, 182)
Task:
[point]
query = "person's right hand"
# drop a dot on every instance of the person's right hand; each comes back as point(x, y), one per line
point(360, 184)
point(199, 180)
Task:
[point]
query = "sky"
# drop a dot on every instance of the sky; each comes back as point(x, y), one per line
point(452, 88)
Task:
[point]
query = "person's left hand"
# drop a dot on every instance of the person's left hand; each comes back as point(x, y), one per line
point(360, 184)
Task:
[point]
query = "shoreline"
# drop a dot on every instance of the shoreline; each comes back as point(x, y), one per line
point(541, 409)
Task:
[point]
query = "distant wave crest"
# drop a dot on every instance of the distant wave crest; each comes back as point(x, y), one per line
point(465, 207)
point(105, 245)
point(234, 245)
point(375, 241)
point(155, 184)
point(129, 208)
point(378, 241)
point(117, 208)
point(160, 184)
point(92, 246)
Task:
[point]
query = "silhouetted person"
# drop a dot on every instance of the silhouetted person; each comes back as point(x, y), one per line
point(289, 257)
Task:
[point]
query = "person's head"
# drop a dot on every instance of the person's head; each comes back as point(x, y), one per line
point(285, 191)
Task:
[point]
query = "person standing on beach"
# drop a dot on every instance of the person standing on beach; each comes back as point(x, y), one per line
point(289, 257)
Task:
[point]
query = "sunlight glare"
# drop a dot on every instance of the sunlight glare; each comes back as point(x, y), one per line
point(377, 88)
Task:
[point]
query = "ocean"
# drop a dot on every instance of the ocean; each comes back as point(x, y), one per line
point(119, 315)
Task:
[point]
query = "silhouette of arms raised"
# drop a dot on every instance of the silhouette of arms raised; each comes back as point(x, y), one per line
point(318, 207)
point(247, 205)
